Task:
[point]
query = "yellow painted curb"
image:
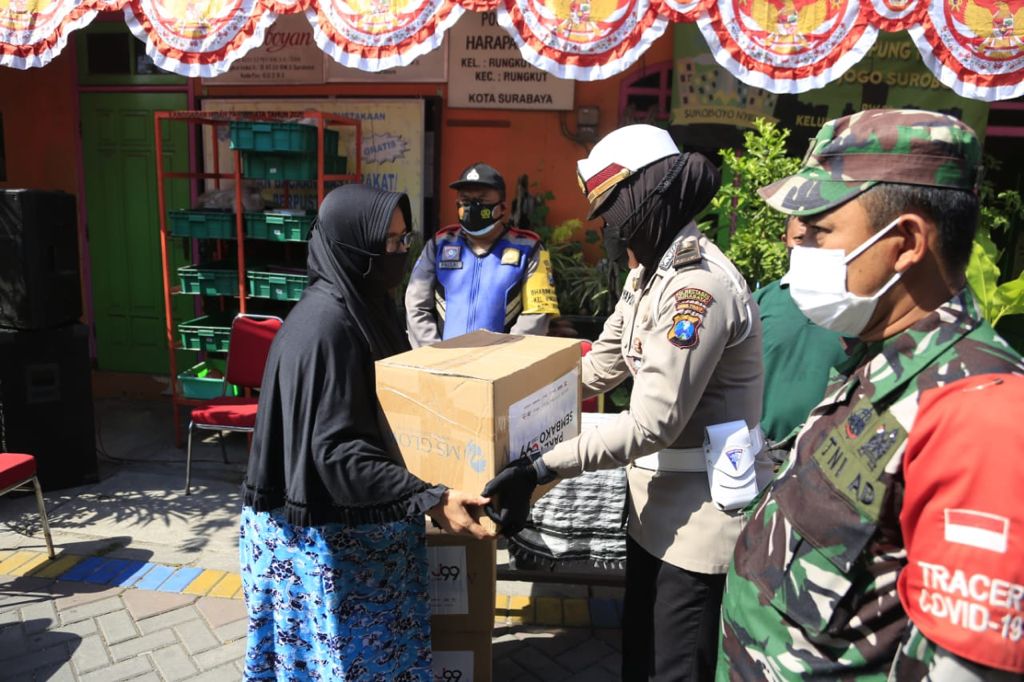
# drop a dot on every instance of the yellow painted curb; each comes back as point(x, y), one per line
point(549, 610)
point(34, 562)
point(227, 587)
point(57, 567)
point(520, 610)
point(12, 562)
point(203, 582)
point(576, 613)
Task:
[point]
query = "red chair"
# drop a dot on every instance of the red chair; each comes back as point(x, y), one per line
point(251, 336)
point(16, 471)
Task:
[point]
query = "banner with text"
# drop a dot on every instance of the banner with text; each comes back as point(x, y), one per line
point(487, 71)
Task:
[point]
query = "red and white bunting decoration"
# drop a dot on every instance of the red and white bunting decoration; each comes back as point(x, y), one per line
point(790, 46)
point(976, 47)
point(374, 35)
point(198, 38)
point(584, 40)
point(33, 32)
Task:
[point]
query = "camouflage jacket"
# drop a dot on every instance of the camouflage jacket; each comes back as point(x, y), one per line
point(811, 592)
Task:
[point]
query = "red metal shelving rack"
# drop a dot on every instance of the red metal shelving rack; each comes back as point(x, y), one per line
point(211, 120)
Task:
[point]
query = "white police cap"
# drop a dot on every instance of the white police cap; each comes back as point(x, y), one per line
point(618, 155)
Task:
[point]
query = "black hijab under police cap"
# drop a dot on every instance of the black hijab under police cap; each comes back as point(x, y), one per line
point(322, 449)
point(652, 205)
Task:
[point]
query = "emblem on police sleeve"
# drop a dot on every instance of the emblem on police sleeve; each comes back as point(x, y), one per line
point(691, 307)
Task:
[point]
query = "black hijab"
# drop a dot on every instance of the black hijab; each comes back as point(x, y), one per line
point(350, 232)
point(321, 448)
point(656, 210)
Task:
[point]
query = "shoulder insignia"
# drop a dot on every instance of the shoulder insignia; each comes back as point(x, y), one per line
point(688, 253)
point(691, 306)
point(510, 256)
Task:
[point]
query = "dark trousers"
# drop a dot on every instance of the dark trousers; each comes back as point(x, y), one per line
point(670, 620)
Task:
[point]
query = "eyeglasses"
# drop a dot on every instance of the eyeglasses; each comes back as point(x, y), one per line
point(404, 239)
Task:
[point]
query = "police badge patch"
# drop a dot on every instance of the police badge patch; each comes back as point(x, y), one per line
point(450, 252)
point(510, 256)
point(691, 307)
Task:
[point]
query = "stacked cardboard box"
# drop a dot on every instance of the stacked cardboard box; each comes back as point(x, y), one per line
point(460, 411)
point(462, 596)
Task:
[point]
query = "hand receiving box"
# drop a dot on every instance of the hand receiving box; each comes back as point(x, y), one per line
point(462, 409)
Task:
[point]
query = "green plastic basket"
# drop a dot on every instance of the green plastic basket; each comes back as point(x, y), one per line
point(201, 224)
point(277, 284)
point(289, 167)
point(206, 381)
point(209, 279)
point(285, 138)
point(278, 227)
point(211, 333)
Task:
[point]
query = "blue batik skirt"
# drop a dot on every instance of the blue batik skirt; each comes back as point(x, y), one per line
point(334, 602)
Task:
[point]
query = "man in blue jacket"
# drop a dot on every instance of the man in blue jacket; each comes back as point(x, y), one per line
point(481, 273)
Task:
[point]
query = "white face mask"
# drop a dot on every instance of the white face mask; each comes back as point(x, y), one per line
point(817, 283)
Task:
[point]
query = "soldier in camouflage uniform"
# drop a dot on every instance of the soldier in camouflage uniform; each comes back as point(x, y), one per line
point(890, 543)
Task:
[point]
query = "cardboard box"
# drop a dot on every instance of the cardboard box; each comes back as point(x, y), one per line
point(462, 409)
point(463, 574)
point(461, 656)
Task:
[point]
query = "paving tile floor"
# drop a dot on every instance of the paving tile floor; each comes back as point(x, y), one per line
point(136, 525)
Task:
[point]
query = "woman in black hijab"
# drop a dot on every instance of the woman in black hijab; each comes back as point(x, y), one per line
point(332, 538)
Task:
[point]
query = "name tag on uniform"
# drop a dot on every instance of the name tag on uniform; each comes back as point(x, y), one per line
point(451, 257)
point(510, 256)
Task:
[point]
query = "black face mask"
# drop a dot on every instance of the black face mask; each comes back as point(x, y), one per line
point(387, 269)
point(477, 217)
point(615, 245)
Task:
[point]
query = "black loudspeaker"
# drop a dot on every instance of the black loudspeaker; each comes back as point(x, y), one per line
point(39, 280)
point(46, 405)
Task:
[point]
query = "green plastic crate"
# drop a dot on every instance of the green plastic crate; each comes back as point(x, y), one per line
point(278, 284)
point(289, 167)
point(205, 381)
point(209, 279)
point(201, 224)
point(286, 138)
point(211, 333)
point(278, 227)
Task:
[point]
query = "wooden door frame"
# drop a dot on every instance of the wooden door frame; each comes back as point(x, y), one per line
point(191, 91)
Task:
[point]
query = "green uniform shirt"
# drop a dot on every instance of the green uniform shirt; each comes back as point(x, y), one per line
point(811, 592)
point(798, 356)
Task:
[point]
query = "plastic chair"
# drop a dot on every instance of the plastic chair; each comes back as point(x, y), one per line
point(16, 471)
point(251, 336)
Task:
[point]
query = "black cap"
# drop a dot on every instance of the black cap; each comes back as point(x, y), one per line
point(480, 174)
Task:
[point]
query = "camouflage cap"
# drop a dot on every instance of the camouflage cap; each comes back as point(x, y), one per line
point(854, 153)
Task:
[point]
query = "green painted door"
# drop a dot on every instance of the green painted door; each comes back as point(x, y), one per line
point(123, 224)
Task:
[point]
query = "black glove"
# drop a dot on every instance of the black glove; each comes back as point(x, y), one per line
point(513, 486)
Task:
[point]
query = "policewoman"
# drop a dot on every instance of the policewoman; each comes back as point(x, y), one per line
point(687, 332)
point(480, 274)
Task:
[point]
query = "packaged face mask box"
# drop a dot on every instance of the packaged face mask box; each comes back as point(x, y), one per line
point(462, 574)
point(462, 409)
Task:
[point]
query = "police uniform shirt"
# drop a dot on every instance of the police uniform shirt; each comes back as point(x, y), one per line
point(691, 339)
